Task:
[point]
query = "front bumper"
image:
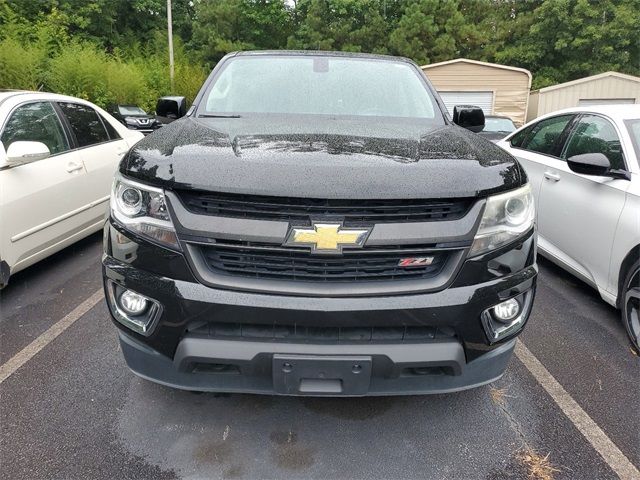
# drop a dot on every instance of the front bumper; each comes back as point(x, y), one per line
point(146, 130)
point(185, 350)
point(394, 369)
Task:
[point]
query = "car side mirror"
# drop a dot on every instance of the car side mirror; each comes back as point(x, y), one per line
point(469, 117)
point(24, 152)
point(171, 108)
point(590, 164)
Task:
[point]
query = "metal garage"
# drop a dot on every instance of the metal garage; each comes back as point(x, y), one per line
point(605, 88)
point(483, 100)
point(497, 89)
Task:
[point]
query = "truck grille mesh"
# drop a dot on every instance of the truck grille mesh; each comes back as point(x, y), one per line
point(301, 209)
point(271, 262)
point(322, 333)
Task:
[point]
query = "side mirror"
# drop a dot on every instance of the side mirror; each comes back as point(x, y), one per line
point(171, 108)
point(590, 164)
point(24, 152)
point(469, 117)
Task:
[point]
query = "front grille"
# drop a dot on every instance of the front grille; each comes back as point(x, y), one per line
point(282, 263)
point(322, 334)
point(300, 210)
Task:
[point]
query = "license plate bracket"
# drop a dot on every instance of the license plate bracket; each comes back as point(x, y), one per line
point(321, 374)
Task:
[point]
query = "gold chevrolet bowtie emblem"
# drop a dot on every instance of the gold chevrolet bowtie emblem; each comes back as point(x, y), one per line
point(326, 237)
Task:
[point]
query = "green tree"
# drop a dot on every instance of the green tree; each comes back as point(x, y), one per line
point(110, 23)
point(223, 26)
point(431, 31)
point(562, 40)
point(349, 25)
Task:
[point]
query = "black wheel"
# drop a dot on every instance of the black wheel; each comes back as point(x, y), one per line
point(631, 304)
point(5, 272)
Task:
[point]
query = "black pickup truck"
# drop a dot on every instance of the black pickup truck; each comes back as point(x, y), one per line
point(316, 224)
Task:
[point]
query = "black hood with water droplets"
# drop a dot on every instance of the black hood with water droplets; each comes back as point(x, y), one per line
point(296, 156)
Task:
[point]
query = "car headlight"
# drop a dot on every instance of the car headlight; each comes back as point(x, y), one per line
point(506, 217)
point(143, 210)
point(130, 121)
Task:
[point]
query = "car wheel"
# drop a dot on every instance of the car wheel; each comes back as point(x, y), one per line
point(631, 304)
point(5, 272)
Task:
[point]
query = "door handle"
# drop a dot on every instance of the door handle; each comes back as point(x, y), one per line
point(554, 177)
point(74, 167)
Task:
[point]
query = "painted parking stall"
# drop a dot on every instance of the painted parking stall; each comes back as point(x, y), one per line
point(88, 417)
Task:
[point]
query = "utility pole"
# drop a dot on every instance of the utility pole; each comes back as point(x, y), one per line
point(170, 35)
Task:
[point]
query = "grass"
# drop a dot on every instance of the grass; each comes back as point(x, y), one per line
point(498, 395)
point(538, 467)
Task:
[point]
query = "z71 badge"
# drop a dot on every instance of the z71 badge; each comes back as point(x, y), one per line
point(415, 262)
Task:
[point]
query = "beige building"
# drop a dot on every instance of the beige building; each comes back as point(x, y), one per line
point(606, 88)
point(497, 89)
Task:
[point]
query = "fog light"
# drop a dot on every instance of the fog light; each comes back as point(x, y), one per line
point(132, 302)
point(135, 311)
point(507, 310)
point(507, 318)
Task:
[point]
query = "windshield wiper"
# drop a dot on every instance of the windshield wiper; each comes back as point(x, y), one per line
point(216, 115)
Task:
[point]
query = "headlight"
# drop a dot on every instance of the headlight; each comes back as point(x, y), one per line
point(143, 210)
point(130, 121)
point(506, 217)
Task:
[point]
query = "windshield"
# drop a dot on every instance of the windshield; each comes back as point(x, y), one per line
point(498, 125)
point(322, 85)
point(131, 110)
point(634, 132)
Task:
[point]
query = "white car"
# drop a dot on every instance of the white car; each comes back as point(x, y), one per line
point(58, 156)
point(583, 168)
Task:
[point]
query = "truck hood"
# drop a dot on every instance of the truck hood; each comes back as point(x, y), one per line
point(326, 158)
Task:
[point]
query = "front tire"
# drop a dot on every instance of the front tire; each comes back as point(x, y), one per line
point(5, 273)
point(631, 304)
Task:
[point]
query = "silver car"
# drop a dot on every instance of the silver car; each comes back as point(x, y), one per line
point(583, 169)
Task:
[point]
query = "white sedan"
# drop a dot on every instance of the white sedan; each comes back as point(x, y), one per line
point(583, 169)
point(58, 155)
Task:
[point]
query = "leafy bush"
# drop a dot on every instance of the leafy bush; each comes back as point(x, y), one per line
point(188, 80)
point(42, 57)
point(21, 66)
point(80, 71)
point(126, 83)
point(85, 71)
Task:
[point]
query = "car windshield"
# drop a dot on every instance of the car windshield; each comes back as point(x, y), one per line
point(634, 132)
point(131, 110)
point(321, 85)
point(492, 124)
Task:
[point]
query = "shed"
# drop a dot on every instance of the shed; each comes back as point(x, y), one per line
point(605, 88)
point(497, 89)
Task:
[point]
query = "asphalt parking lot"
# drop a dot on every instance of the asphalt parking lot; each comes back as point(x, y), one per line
point(73, 410)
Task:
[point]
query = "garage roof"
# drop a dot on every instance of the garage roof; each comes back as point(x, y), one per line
point(476, 62)
point(589, 79)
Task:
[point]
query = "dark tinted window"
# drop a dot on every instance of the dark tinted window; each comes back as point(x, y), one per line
point(634, 132)
point(35, 122)
point(85, 123)
point(113, 135)
point(519, 137)
point(545, 135)
point(596, 135)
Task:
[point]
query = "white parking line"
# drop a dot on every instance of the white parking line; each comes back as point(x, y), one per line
point(617, 460)
point(28, 352)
